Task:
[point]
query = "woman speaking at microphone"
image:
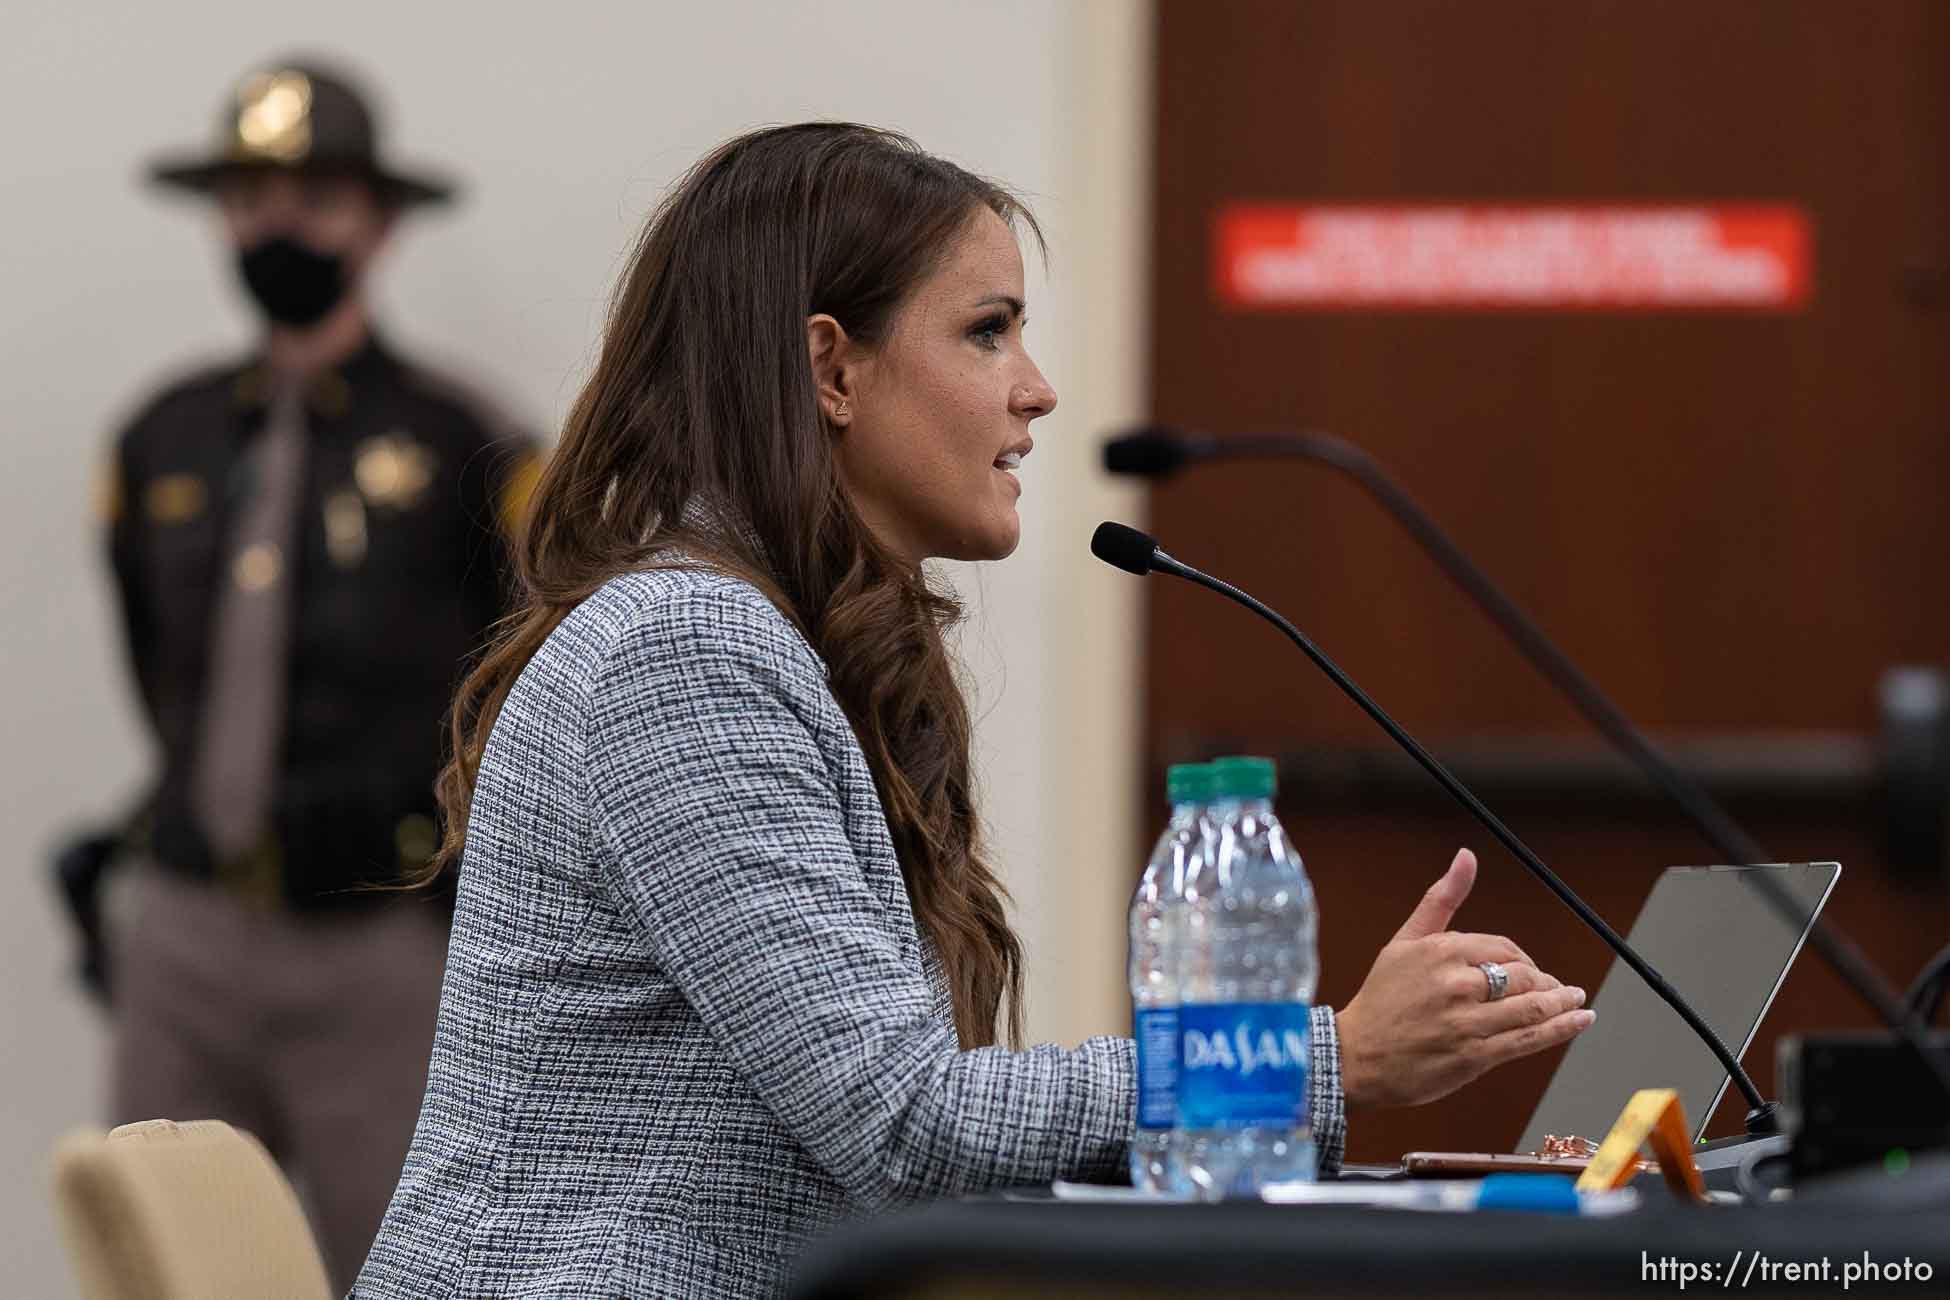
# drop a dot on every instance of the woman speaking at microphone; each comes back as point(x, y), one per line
point(729, 960)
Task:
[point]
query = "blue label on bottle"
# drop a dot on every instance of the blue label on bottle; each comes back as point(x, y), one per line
point(1157, 1066)
point(1243, 1064)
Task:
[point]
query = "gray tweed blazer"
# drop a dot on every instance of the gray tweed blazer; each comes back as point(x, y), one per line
point(688, 1018)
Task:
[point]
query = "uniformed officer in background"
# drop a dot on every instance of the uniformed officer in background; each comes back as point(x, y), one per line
point(308, 544)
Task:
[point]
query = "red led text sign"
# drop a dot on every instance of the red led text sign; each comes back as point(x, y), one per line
point(1563, 257)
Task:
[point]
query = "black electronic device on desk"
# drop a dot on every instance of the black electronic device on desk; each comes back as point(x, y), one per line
point(1859, 1099)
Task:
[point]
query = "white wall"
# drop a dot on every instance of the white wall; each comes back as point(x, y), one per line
point(566, 120)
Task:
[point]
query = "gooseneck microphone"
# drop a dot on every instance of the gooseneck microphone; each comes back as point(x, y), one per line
point(1134, 552)
point(1157, 452)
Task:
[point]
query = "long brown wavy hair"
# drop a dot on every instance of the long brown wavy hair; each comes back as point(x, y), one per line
point(704, 391)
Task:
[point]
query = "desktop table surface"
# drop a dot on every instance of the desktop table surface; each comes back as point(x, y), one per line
point(1003, 1241)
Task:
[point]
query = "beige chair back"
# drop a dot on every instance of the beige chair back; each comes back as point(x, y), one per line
point(196, 1211)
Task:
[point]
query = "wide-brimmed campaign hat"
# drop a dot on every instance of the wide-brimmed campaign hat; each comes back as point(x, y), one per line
point(299, 117)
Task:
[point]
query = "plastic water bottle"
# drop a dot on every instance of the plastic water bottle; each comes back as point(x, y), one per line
point(1153, 969)
point(1247, 972)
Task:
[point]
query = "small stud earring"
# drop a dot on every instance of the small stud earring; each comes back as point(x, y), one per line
point(841, 411)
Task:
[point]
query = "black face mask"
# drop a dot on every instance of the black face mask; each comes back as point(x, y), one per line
point(294, 284)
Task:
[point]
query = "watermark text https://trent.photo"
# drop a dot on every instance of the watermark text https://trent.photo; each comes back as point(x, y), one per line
point(1748, 1268)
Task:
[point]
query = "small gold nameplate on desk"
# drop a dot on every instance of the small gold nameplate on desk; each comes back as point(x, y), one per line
point(1653, 1117)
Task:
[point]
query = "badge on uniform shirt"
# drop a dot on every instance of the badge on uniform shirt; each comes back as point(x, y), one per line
point(393, 470)
point(174, 498)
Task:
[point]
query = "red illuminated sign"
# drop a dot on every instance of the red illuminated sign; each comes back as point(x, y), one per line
point(1564, 257)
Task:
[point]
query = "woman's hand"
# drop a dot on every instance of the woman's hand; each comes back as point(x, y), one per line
point(1422, 1025)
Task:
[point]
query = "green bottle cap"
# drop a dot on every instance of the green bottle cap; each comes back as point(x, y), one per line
point(1242, 777)
point(1188, 783)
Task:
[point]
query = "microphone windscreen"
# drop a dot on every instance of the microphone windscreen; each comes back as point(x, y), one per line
point(1149, 453)
point(1123, 546)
